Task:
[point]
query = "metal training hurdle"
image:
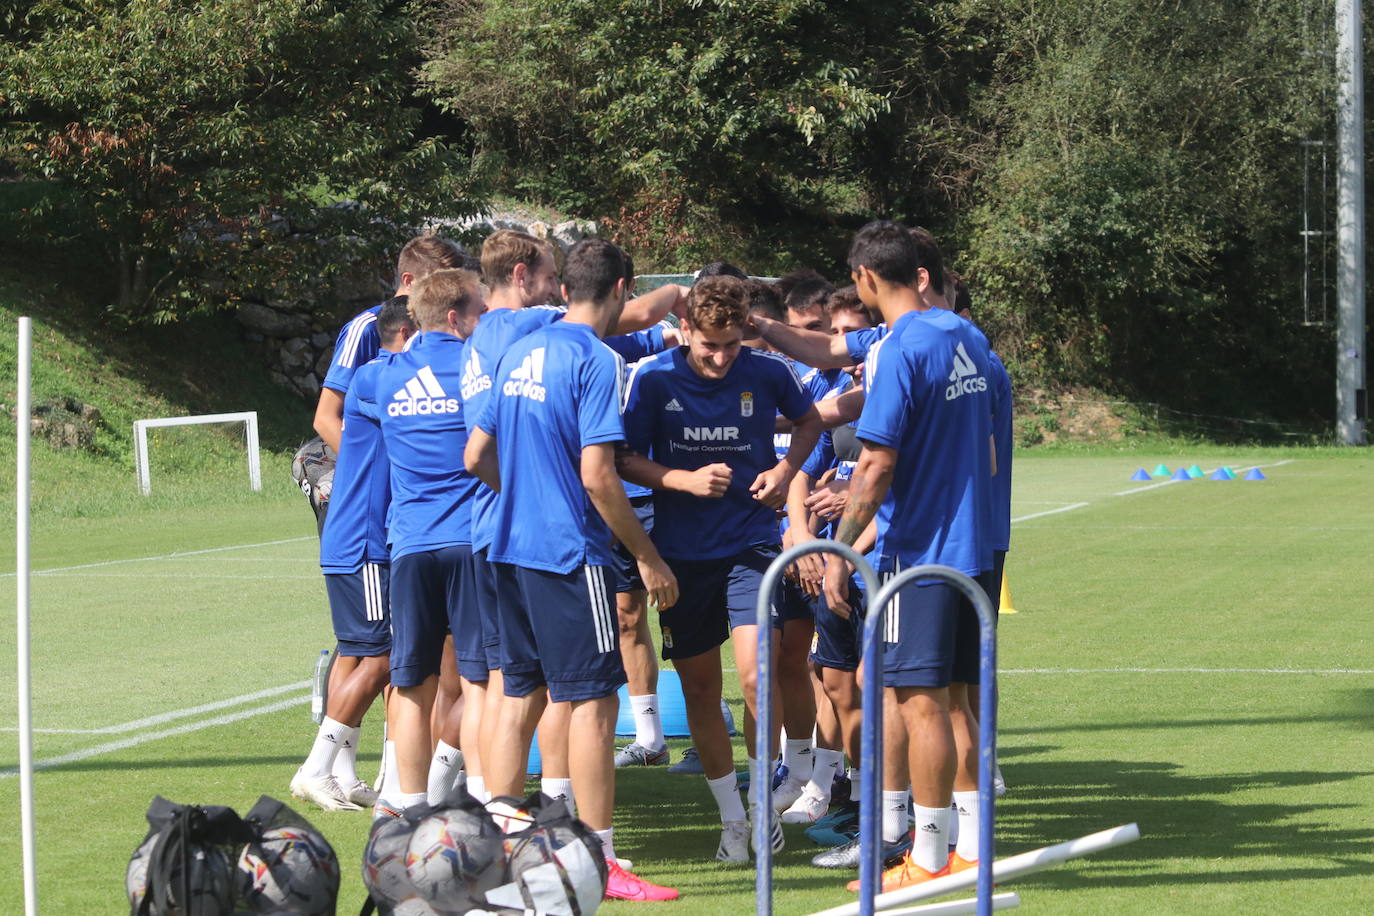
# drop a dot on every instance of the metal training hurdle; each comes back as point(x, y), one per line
point(871, 753)
point(870, 863)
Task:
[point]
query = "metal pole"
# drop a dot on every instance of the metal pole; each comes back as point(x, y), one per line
point(873, 711)
point(761, 780)
point(21, 558)
point(1350, 267)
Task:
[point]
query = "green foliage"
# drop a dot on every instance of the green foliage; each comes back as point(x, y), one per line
point(676, 118)
point(194, 133)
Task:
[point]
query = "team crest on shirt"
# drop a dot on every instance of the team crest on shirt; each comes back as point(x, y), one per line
point(746, 404)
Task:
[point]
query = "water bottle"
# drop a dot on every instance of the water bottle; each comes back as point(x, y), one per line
point(319, 684)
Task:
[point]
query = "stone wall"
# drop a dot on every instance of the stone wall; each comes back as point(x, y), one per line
point(296, 339)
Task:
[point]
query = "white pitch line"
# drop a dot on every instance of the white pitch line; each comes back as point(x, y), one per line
point(125, 743)
point(165, 556)
point(1068, 508)
point(81, 574)
point(175, 714)
point(1306, 671)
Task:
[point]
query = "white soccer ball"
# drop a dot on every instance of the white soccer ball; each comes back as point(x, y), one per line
point(291, 869)
point(136, 875)
point(384, 861)
point(454, 857)
point(509, 818)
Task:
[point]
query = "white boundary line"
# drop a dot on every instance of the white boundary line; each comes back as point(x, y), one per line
point(166, 556)
point(175, 714)
point(1068, 508)
point(126, 743)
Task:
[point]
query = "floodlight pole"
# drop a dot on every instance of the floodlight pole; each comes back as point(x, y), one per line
point(21, 577)
point(1350, 268)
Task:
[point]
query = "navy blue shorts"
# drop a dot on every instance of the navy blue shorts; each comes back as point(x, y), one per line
point(796, 604)
point(623, 569)
point(358, 603)
point(991, 579)
point(559, 630)
point(465, 623)
point(714, 597)
point(425, 588)
point(488, 609)
point(926, 637)
point(837, 641)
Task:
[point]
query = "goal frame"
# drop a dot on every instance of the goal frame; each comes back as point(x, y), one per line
point(249, 418)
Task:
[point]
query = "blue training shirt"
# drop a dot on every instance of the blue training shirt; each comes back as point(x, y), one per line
point(358, 343)
point(555, 392)
point(684, 421)
point(928, 398)
point(1002, 432)
point(424, 430)
point(355, 526)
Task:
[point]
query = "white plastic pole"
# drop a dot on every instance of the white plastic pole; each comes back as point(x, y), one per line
point(21, 575)
point(145, 483)
point(254, 459)
point(1002, 870)
point(957, 907)
point(1351, 397)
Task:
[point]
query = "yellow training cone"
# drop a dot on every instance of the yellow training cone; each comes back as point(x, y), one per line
point(1004, 603)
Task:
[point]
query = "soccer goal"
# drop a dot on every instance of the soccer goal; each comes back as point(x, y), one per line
point(248, 418)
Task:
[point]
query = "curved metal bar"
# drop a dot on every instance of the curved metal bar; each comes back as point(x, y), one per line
point(761, 779)
point(869, 838)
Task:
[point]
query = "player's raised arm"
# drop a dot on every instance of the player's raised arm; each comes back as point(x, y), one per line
point(815, 348)
point(607, 494)
point(649, 309)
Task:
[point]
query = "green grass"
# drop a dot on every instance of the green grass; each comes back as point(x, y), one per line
point(1253, 789)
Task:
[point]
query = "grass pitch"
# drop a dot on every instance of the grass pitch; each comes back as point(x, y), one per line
point(1193, 656)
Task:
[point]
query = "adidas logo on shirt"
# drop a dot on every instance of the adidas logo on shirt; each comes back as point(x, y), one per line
point(474, 379)
point(422, 395)
point(525, 380)
point(964, 378)
point(673, 405)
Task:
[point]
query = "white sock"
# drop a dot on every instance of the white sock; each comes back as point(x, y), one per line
point(410, 800)
point(726, 791)
point(966, 803)
point(328, 740)
point(930, 842)
point(607, 842)
point(894, 815)
point(345, 767)
point(389, 786)
point(853, 775)
point(954, 823)
point(441, 772)
point(823, 772)
point(648, 722)
point(559, 788)
point(477, 788)
point(798, 758)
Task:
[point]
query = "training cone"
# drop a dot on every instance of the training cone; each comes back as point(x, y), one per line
point(1141, 474)
point(1161, 470)
point(1181, 474)
point(1218, 474)
point(1004, 603)
point(1195, 472)
point(1255, 474)
point(1230, 474)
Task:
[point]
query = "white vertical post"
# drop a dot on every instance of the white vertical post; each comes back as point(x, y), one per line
point(145, 483)
point(21, 575)
point(1351, 404)
point(254, 460)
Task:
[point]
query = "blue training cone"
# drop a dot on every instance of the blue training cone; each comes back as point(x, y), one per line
point(1141, 474)
point(1219, 474)
point(1181, 474)
point(1255, 474)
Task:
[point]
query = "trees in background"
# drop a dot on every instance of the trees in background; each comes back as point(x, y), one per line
point(198, 138)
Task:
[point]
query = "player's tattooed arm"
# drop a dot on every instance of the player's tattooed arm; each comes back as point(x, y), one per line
point(480, 458)
point(867, 489)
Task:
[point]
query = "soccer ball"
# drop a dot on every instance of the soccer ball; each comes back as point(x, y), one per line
point(136, 875)
point(556, 870)
point(211, 883)
point(454, 857)
point(291, 869)
point(384, 861)
point(509, 818)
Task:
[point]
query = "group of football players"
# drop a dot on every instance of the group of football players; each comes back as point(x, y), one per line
point(522, 485)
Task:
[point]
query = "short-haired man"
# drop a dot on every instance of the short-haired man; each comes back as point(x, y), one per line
point(924, 472)
point(358, 340)
point(699, 424)
point(545, 443)
point(356, 564)
point(424, 430)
